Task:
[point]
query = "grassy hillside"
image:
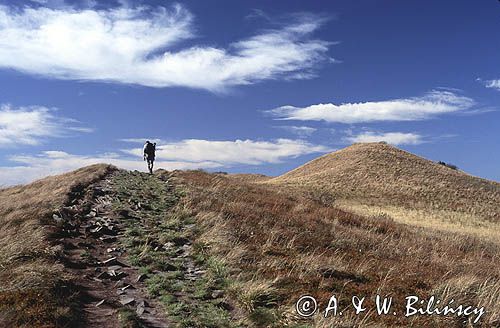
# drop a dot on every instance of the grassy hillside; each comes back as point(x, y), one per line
point(34, 287)
point(374, 178)
point(277, 245)
point(194, 249)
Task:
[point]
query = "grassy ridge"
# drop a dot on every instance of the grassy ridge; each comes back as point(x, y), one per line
point(228, 251)
point(279, 245)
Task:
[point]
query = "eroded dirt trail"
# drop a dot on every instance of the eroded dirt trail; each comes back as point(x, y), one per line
point(113, 290)
point(134, 257)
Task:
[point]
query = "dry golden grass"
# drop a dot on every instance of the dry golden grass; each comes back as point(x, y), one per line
point(279, 245)
point(33, 287)
point(247, 177)
point(281, 238)
point(443, 220)
point(386, 175)
point(373, 178)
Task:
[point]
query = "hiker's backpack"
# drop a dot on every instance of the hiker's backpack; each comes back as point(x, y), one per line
point(150, 149)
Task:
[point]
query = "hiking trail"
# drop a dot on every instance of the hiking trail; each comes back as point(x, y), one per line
point(133, 257)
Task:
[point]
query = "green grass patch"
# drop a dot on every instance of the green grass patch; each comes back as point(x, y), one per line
point(129, 319)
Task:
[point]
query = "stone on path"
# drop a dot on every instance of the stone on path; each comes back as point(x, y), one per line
point(117, 275)
point(140, 278)
point(141, 307)
point(126, 300)
point(103, 275)
point(140, 310)
point(57, 218)
point(127, 287)
point(217, 293)
point(109, 261)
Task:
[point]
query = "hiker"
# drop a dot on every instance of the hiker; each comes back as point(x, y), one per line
point(149, 154)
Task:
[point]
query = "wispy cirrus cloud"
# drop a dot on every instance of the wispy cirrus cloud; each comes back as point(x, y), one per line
point(33, 124)
point(393, 138)
point(185, 154)
point(405, 109)
point(135, 46)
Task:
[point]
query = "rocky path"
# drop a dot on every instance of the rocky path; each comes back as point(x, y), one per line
point(114, 293)
point(134, 257)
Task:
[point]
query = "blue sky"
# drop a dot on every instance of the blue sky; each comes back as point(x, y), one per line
point(245, 86)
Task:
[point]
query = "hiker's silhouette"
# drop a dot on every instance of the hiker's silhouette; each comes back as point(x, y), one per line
point(149, 154)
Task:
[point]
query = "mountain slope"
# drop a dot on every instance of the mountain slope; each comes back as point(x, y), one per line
point(34, 287)
point(278, 244)
point(374, 178)
point(387, 175)
point(105, 247)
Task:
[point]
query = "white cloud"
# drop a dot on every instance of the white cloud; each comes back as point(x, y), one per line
point(134, 45)
point(31, 125)
point(493, 84)
point(301, 131)
point(31, 168)
point(232, 152)
point(187, 154)
point(406, 109)
point(394, 138)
